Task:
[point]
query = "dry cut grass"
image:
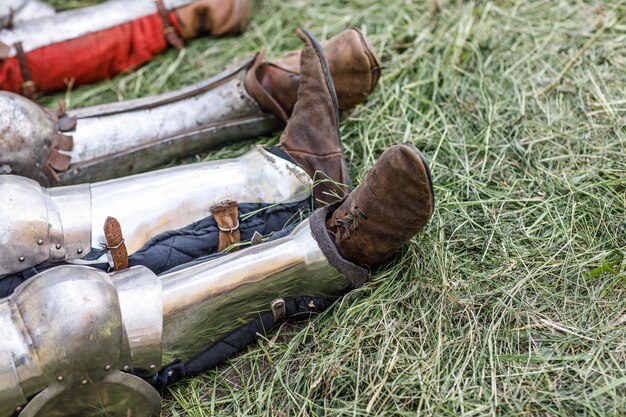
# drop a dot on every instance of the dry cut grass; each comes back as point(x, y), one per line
point(513, 300)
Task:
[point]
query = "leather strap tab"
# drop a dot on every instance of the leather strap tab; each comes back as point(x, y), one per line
point(170, 31)
point(29, 88)
point(226, 215)
point(115, 243)
point(66, 123)
point(58, 162)
point(63, 142)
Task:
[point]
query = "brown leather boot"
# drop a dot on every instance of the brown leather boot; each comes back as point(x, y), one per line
point(353, 65)
point(213, 17)
point(312, 135)
point(392, 204)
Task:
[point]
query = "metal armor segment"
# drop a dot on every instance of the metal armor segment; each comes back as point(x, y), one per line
point(204, 303)
point(183, 122)
point(72, 24)
point(12, 347)
point(140, 296)
point(24, 226)
point(33, 9)
point(66, 332)
point(74, 333)
point(149, 204)
point(26, 133)
point(71, 205)
point(37, 225)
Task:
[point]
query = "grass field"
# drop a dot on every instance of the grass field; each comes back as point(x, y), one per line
point(513, 300)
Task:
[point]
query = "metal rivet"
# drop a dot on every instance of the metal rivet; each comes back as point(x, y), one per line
point(107, 368)
point(58, 246)
point(170, 373)
point(18, 409)
point(152, 367)
point(21, 259)
point(84, 382)
point(79, 251)
point(126, 368)
point(60, 378)
point(40, 242)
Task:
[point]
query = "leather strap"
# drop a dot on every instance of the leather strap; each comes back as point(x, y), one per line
point(57, 161)
point(226, 215)
point(170, 31)
point(29, 88)
point(115, 243)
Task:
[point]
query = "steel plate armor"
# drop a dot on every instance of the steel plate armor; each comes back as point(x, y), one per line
point(26, 135)
point(113, 140)
point(78, 338)
point(65, 223)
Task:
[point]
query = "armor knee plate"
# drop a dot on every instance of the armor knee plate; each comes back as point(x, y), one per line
point(71, 333)
point(26, 132)
point(37, 225)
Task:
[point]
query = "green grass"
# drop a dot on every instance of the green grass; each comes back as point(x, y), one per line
point(513, 300)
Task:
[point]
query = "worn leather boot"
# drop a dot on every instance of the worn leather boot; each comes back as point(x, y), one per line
point(213, 17)
point(353, 65)
point(312, 136)
point(392, 204)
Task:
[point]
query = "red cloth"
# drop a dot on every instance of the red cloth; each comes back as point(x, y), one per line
point(90, 58)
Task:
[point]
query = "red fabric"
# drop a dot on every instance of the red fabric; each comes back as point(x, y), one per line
point(90, 58)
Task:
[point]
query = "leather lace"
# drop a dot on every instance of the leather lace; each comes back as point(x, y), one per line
point(350, 223)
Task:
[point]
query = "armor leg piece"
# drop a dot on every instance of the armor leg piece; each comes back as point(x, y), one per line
point(65, 223)
point(78, 338)
point(113, 140)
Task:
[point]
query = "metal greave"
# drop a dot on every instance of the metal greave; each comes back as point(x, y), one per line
point(65, 223)
point(75, 334)
point(129, 137)
point(134, 136)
